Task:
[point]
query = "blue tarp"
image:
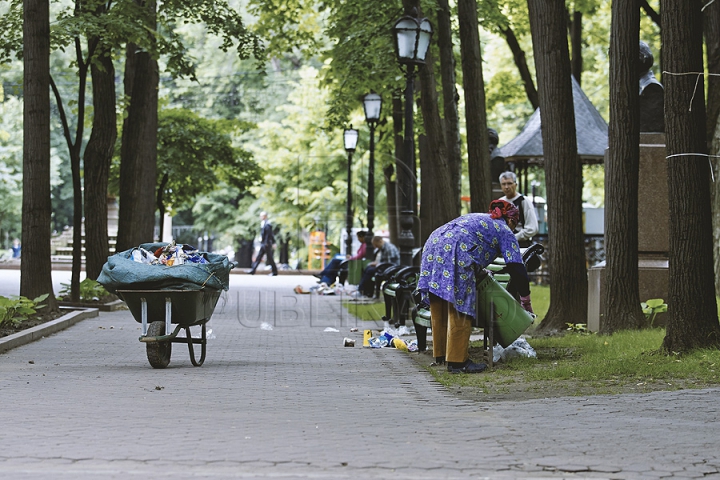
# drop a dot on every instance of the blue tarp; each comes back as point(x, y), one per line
point(123, 273)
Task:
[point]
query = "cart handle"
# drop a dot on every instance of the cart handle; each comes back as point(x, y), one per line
point(161, 338)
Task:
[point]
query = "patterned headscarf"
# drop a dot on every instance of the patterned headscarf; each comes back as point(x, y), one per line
point(502, 208)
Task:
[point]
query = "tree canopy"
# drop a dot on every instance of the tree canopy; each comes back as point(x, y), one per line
point(195, 156)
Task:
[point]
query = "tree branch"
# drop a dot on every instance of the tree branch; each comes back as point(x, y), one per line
point(521, 63)
point(654, 16)
point(63, 117)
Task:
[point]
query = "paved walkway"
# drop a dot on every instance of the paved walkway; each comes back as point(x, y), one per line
point(292, 402)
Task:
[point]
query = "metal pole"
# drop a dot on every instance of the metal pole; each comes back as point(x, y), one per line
point(371, 195)
point(349, 215)
point(406, 240)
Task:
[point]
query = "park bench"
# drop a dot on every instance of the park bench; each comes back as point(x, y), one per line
point(350, 271)
point(397, 293)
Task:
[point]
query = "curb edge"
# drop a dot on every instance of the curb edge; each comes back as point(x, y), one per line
point(35, 333)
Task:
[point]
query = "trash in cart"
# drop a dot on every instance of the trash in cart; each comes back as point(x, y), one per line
point(160, 294)
point(171, 254)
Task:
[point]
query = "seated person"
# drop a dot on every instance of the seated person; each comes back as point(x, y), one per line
point(385, 252)
point(332, 269)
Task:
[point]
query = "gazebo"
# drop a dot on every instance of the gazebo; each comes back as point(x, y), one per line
point(591, 131)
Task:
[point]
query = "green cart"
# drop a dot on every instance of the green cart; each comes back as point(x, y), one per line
point(159, 310)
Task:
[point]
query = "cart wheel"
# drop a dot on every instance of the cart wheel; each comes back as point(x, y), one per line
point(158, 353)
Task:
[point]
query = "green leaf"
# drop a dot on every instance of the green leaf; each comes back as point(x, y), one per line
point(655, 302)
point(41, 298)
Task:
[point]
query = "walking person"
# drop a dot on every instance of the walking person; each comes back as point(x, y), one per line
point(267, 243)
point(452, 256)
point(527, 226)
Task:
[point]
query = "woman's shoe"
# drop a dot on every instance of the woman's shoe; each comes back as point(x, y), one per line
point(438, 361)
point(468, 367)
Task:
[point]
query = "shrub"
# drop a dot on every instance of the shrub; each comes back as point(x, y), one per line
point(15, 309)
point(90, 290)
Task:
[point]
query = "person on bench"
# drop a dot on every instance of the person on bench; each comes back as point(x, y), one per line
point(332, 269)
point(385, 252)
point(451, 256)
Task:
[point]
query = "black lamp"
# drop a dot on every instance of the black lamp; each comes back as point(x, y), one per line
point(412, 39)
point(372, 104)
point(350, 139)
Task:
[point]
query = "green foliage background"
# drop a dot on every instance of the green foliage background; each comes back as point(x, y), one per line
point(321, 56)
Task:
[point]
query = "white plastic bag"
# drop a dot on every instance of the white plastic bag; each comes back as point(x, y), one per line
point(519, 348)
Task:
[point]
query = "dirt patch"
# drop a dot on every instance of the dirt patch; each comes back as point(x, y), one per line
point(40, 318)
point(35, 320)
point(503, 384)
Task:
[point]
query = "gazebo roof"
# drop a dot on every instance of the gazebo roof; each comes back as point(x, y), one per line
point(591, 130)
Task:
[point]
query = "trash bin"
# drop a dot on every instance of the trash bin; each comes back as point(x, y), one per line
point(511, 320)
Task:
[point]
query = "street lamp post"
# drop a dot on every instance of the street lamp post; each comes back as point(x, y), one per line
point(412, 40)
point(372, 103)
point(350, 138)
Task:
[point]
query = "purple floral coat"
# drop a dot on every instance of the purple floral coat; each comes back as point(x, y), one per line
point(453, 253)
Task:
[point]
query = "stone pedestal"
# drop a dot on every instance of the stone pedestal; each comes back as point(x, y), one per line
point(653, 208)
point(652, 281)
point(653, 233)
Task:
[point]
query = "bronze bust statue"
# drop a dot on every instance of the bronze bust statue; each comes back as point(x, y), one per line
point(652, 94)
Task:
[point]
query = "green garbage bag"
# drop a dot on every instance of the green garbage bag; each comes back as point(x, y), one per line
point(121, 272)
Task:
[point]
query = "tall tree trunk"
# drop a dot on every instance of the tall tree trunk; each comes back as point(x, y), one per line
point(437, 180)
point(521, 64)
point(160, 202)
point(138, 153)
point(621, 295)
point(450, 97)
point(475, 117)
point(97, 157)
point(36, 268)
point(445, 207)
point(388, 174)
point(694, 320)
point(711, 27)
point(389, 170)
point(576, 43)
point(563, 170)
point(74, 147)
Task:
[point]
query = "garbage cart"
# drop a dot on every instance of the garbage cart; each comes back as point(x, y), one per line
point(167, 298)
